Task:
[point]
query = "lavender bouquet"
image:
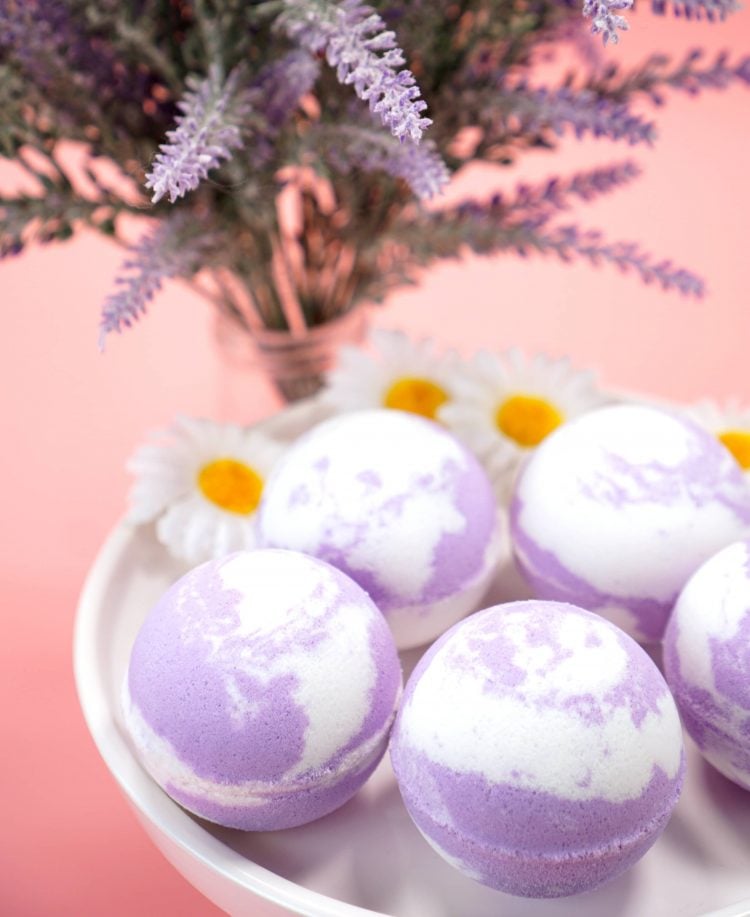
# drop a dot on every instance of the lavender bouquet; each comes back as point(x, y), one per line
point(285, 149)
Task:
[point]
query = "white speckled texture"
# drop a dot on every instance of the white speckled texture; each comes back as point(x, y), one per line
point(538, 748)
point(616, 509)
point(261, 689)
point(398, 504)
point(707, 660)
point(543, 753)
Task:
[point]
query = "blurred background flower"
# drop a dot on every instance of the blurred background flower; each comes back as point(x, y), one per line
point(402, 374)
point(507, 404)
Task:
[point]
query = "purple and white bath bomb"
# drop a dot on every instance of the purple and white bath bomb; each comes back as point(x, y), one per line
point(399, 505)
point(261, 690)
point(616, 510)
point(707, 660)
point(538, 749)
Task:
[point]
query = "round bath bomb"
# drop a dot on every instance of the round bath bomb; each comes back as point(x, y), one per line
point(538, 749)
point(261, 690)
point(399, 505)
point(707, 660)
point(616, 510)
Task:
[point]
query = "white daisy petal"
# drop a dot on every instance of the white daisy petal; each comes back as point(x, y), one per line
point(195, 530)
point(187, 529)
point(729, 423)
point(224, 541)
point(539, 391)
point(404, 374)
point(173, 526)
point(148, 500)
point(201, 481)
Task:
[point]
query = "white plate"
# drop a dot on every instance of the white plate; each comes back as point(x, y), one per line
point(367, 858)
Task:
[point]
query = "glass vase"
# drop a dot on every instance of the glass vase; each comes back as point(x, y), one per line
point(295, 363)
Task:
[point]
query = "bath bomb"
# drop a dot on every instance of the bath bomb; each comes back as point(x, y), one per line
point(538, 749)
point(261, 690)
point(707, 660)
point(616, 509)
point(398, 504)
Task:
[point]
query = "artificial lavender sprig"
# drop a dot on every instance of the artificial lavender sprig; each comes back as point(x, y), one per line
point(275, 93)
point(523, 224)
point(719, 75)
point(164, 252)
point(520, 110)
point(279, 86)
point(604, 20)
point(689, 76)
point(556, 193)
point(207, 131)
point(569, 241)
point(581, 111)
point(537, 203)
point(420, 166)
point(364, 54)
point(696, 9)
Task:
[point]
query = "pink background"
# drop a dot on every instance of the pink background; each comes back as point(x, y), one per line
point(69, 844)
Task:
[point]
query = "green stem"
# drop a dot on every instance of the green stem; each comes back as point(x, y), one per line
point(211, 37)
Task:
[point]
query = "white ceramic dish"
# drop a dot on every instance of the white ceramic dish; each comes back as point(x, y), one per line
point(367, 858)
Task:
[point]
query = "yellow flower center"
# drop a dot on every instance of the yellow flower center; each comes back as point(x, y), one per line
point(738, 443)
point(527, 419)
point(420, 396)
point(232, 485)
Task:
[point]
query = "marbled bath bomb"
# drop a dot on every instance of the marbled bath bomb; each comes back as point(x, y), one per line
point(707, 660)
point(617, 509)
point(538, 749)
point(398, 504)
point(261, 690)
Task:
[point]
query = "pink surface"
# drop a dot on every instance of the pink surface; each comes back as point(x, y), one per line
point(70, 844)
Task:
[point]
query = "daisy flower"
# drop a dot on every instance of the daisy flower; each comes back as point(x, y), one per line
point(405, 375)
point(202, 483)
point(507, 404)
point(730, 424)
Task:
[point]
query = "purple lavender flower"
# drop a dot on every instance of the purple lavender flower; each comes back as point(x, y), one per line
point(276, 92)
point(696, 9)
point(39, 34)
point(48, 42)
point(691, 76)
point(718, 75)
point(605, 20)
point(366, 56)
point(524, 224)
point(579, 109)
point(207, 131)
point(537, 204)
point(566, 241)
point(555, 193)
point(164, 252)
point(421, 166)
point(279, 86)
